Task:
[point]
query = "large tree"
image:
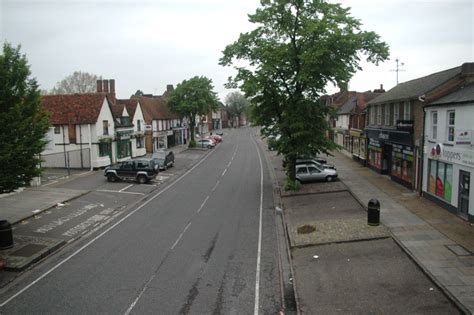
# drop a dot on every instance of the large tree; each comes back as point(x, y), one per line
point(192, 98)
point(296, 49)
point(23, 123)
point(78, 82)
point(236, 104)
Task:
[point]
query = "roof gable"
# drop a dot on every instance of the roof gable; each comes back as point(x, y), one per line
point(74, 109)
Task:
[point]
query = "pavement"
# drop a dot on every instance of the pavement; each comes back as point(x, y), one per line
point(332, 246)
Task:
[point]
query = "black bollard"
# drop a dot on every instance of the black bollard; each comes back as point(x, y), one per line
point(6, 236)
point(373, 212)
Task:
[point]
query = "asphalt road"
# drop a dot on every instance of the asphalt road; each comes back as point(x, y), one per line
point(193, 247)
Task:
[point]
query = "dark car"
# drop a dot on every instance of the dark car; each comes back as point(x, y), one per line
point(163, 158)
point(141, 170)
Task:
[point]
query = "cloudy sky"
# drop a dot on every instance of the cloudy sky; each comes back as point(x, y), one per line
point(148, 44)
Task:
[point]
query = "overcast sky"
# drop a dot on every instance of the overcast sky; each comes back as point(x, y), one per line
point(148, 44)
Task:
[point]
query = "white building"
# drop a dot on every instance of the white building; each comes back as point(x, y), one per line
point(83, 131)
point(448, 163)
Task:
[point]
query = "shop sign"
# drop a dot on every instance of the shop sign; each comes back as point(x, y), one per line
point(355, 133)
point(169, 133)
point(148, 127)
point(384, 136)
point(405, 125)
point(452, 155)
point(463, 137)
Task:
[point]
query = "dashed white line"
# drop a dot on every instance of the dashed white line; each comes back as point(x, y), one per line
point(228, 164)
point(215, 186)
point(180, 236)
point(120, 192)
point(202, 205)
point(223, 173)
point(50, 183)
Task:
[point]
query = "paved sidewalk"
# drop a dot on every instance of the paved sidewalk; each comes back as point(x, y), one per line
point(441, 243)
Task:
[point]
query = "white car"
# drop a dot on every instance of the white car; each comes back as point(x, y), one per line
point(208, 143)
point(312, 172)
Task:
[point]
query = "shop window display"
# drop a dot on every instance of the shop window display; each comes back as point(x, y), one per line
point(440, 179)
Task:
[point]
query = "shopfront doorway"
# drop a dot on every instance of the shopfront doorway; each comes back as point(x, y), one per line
point(463, 200)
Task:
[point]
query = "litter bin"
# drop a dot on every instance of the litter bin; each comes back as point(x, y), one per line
point(373, 212)
point(6, 236)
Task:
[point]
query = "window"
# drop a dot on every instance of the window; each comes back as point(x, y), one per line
point(57, 131)
point(313, 170)
point(105, 148)
point(440, 179)
point(379, 114)
point(302, 170)
point(387, 115)
point(396, 113)
point(105, 127)
point(125, 120)
point(139, 125)
point(406, 111)
point(434, 125)
point(123, 148)
point(139, 142)
point(451, 121)
point(371, 115)
point(128, 165)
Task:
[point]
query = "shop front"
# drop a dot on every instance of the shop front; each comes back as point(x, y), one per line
point(124, 144)
point(447, 175)
point(391, 152)
point(358, 144)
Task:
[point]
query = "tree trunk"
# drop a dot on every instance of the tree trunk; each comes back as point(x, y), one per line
point(192, 126)
point(292, 167)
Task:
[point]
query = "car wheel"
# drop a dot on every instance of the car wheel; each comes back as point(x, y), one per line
point(329, 178)
point(111, 177)
point(209, 146)
point(141, 179)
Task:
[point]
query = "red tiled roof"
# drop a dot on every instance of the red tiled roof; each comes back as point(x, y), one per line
point(155, 108)
point(74, 108)
point(117, 110)
point(130, 104)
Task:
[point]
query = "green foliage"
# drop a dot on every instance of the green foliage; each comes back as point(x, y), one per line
point(193, 97)
point(297, 48)
point(192, 144)
point(293, 185)
point(23, 123)
point(78, 82)
point(236, 104)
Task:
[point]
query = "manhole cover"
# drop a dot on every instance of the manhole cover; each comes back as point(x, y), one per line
point(28, 250)
point(458, 250)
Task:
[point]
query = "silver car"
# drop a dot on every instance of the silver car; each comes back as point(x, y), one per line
point(311, 172)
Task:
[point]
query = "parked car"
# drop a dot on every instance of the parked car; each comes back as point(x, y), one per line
point(163, 158)
point(311, 172)
point(208, 143)
point(323, 165)
point(320, 161)
point(216, 138)
point(220, 133)
point(141, 170)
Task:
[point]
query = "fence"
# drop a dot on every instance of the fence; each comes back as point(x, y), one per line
point(69, 159)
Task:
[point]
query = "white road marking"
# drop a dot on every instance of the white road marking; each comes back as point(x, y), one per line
point(120, 192)
point(180, 236)
point(259, 250)
point(223, 173)
point(202, 205)
point(126, 188)
point(102, 234)
point(228, 164)
point(53, 182)
point(215, 186)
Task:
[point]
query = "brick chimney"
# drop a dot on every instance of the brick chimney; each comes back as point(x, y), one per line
point(99, 86)
point(106, 86)
point(112, 90)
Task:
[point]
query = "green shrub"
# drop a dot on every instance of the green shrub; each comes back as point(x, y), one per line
point(192, 144)
point(292, 185)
